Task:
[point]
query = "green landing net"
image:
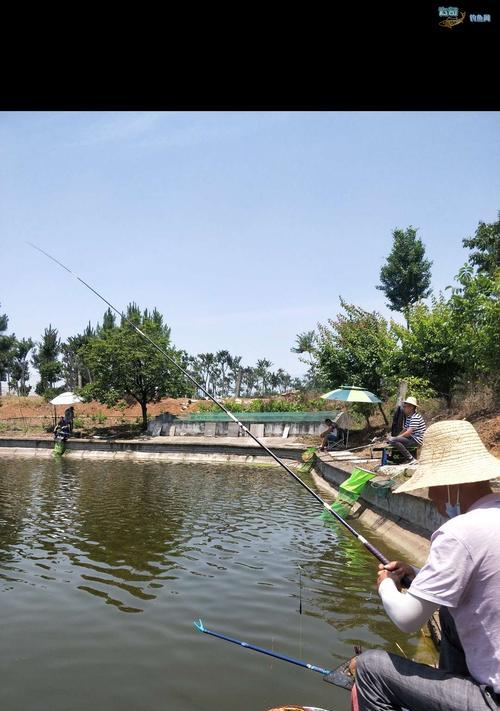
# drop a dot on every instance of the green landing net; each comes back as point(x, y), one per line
point(308, 460)
point(59, 449)
point(349, 493)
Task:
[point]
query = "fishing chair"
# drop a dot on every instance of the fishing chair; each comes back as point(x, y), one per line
point(341, 442)
point(390, 455)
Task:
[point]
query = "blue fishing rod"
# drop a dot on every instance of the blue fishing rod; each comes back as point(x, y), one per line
point(369, 547)
point(338, 676)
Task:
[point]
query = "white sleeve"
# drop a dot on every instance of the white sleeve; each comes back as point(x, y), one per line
point(407, 611)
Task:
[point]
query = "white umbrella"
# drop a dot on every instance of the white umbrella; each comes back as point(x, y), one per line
point(64, 399)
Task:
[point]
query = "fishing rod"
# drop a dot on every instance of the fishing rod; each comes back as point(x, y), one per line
point(338, 676)
point(369, 547)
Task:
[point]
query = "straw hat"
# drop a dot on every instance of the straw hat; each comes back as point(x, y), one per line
point(452, 453)
point(411, 401)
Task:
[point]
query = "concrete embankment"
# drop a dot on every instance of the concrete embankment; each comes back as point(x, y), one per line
point(408, 520)
point(172, 449)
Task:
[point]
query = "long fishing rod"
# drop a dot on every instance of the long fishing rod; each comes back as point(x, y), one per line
point(338, 676)
point(369, 547)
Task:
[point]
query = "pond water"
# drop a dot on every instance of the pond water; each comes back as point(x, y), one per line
point(104, 566)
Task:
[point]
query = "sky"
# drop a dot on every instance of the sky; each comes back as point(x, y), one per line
point(242, 228)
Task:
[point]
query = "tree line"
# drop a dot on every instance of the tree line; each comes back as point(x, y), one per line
point(112, 362)
point(448, 343)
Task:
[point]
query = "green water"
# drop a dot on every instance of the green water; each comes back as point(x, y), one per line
point(104, 566)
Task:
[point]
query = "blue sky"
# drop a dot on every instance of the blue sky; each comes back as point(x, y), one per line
point(242, 228)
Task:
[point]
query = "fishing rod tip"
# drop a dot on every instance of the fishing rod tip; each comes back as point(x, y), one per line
point(199, 625)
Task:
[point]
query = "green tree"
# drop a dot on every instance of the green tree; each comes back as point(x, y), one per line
point(6, 343)
point(486, 243)
point(19, 369)
point(406, 275)
point(262, 372)
point(45, 360)
point(125, 365)
point(223, 359)
point(305, 343)
point(430, 348)
point(249, 380)
point(206, 366)
point(475, 314)
point(355, 349)
point(75, 372)
point(236, 374)
point(108, 322)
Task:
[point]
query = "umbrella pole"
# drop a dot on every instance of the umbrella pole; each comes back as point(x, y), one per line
point(383, 414)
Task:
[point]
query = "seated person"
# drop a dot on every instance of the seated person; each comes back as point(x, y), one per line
point(413, 431)
point(61, 430)
point(330, 435)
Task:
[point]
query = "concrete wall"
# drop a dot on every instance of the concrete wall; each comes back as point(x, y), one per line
point(223, 429)
point(156, 448)
point(417, 511)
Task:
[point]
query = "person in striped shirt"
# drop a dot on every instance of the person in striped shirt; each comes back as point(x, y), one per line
point(413, 431)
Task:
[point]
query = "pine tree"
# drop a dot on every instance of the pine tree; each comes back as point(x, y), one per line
point(46, 361)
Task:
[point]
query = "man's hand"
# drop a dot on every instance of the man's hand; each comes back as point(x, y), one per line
point(396, 570)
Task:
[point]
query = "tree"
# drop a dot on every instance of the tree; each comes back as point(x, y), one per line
point(236, 374)
point(475, 314)
point(430, 348)
point(207, 368)
point(355, 349)
point(305, 344)
point(108, 322)
point(223, 359)
point(486, 242)
point(6, 343)
point(262, 372)
point(45, 360)
point(76, 374)
point(124, 364)
point(249, 380)
point(406, 275)
point(19, 369)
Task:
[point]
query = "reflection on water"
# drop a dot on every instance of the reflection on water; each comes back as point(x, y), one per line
point(171, 543)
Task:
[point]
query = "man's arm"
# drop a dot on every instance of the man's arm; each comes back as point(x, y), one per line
point(407, 611)
point(406, 433)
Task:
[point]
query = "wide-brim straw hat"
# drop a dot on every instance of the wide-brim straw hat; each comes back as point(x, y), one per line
point(411, 401)
point(452, 453)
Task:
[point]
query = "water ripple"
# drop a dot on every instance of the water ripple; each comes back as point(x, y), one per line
point(104, 566)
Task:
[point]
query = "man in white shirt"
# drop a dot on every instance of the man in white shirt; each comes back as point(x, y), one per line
point(461, 578)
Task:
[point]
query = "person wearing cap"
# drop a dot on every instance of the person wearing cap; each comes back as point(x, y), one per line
point(413, 431)
point(461, 578)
